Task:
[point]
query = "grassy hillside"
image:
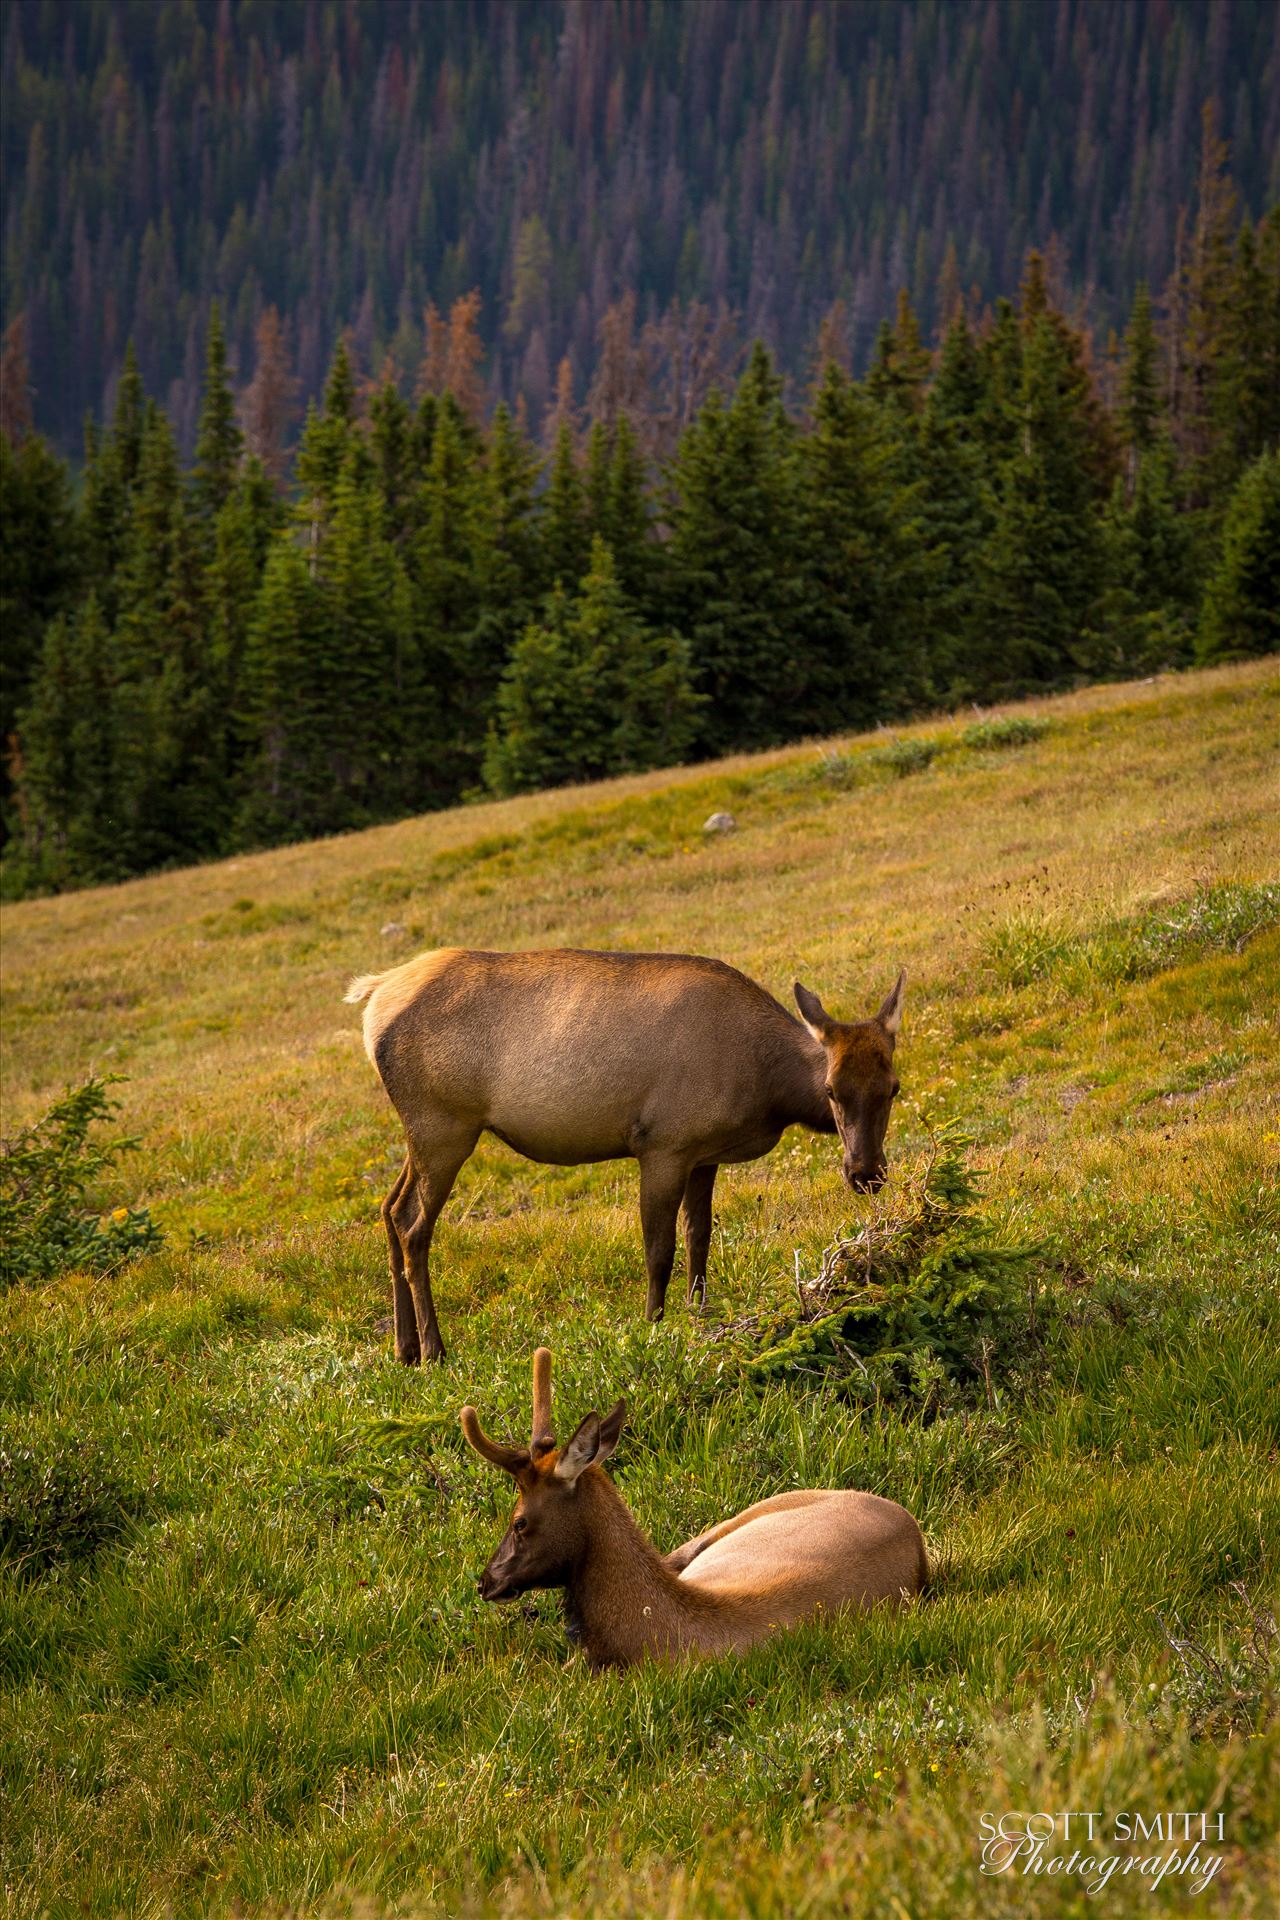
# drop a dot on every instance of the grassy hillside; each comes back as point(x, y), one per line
point(241, 1652)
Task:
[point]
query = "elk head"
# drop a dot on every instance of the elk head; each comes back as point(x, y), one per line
point(546, 1538)
point(860, 1084)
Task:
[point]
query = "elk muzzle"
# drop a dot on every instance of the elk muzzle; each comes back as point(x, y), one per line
point(865, 1178)
point(500, 1580)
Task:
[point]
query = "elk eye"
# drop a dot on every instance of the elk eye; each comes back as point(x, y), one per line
point(830, 1092)
point(519, 1526)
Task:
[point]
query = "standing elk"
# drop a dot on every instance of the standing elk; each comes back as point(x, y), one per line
point(807, 1552)
point(678, 1062)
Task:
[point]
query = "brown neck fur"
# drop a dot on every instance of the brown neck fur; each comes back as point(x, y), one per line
point(624, 1602)
point(800, 1072)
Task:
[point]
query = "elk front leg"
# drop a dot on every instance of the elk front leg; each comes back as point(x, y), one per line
point(436, 1162)
point(408, 1350)
point(662, 1185)
point(697, 1230)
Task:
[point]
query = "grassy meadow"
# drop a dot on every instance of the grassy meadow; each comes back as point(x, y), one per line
point(243, 1665)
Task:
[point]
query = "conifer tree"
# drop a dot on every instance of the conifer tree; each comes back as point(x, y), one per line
point(395, 474)
point(1247, 390)
point(1147, 573)
point(104, 511)
point(509, 554)
point(130, 418)
point(39, 562)
point(243, 534)
point(1241, 612)
point(956, 515)
point(566, 535)
point(328, 438)
point(1140, 407)
point(448, 588)
point(862, 577)
point(68, 791)
point(366, 693)
point(736, 548)
point(589, 691)
point(285, 781)
point(1043, 559)
point(169, 796)
point(219, 440)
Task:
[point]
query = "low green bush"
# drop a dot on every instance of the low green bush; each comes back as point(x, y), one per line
point(1006, 730)
point(934, 1300)
point(902, 758)
point(48, 1175)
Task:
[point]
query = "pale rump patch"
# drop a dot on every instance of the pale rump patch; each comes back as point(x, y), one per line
point(388, 994)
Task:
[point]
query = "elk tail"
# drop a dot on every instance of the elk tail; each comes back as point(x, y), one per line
point(361, 987)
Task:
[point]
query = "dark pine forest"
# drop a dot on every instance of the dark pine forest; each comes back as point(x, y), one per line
point(402, 402)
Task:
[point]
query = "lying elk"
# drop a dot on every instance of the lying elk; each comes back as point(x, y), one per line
point(677, 1062)
point(806, 1552)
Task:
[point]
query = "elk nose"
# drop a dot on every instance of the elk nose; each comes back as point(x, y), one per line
point(866, 1182)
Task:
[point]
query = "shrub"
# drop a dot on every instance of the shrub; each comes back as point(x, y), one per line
point(1008, 730)
point(48, 1224)
point(940, 1294)
point(903, 757)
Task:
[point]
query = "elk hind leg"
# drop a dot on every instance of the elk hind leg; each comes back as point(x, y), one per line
point(408, 1349)
point(437, 1155)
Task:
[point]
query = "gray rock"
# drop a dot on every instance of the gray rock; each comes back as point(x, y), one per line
point(719, 823)
point(392, 930)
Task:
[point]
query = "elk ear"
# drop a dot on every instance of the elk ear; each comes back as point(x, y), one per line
point(812, 1012)
point(580, 1452)
point(890, 1014)
point(610, 1431)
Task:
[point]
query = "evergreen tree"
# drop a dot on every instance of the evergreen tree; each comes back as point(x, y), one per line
point(590, 691)
point(1241, 612)
point(243, 534)
point(104, 509)
point(863, 578)
point(1147, 597)
point(1247, 389)
point(39, 563)
point(736, 552)
point(1208, 296)
point(449, 598)
point(285, 781)
point(1043, 563)
point(900, 368)
point(130, 419)
point(566, 534)
point(618, 508)
point(69, 784)
point(328, 440)
point(367, 696)
point(1140, 407)
point(395, 468)
point(957, 511)
point(509, 554)
point(219, 441)
point(170, 748)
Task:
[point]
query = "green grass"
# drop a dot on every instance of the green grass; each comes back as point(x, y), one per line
point(243, 1665)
